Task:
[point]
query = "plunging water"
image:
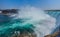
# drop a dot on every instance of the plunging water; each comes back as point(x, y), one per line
point(30, 21)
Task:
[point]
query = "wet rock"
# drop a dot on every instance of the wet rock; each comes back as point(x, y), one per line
point(53, 35)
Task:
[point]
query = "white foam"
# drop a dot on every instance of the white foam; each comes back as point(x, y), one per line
point(43, 22)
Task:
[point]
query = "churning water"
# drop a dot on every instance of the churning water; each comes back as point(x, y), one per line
point(31, 19)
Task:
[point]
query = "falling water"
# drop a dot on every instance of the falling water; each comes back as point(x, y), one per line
point(32, 19)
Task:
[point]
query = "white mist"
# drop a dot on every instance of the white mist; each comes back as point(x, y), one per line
point(44, 23)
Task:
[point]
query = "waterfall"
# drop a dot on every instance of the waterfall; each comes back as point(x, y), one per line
point(31, 19)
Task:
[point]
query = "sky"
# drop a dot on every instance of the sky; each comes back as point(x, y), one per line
point(43, 4)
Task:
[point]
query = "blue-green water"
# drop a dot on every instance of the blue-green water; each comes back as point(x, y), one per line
point(55, 14)
point(32, 20)
point(8, 28)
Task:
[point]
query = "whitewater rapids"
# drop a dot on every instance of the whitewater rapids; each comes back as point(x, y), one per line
point(43, 23)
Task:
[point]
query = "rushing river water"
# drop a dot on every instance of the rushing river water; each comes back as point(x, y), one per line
point(29, 19)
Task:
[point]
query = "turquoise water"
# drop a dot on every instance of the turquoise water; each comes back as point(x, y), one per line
point(55, 14)
point(8, 28)
point(36, 24)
